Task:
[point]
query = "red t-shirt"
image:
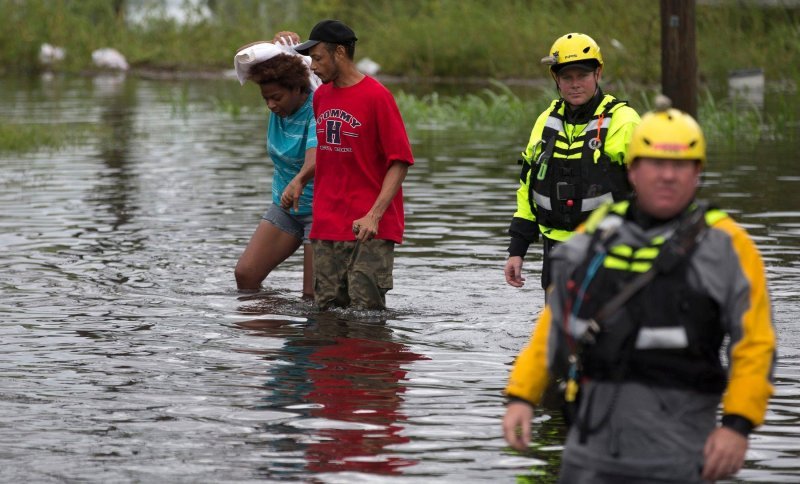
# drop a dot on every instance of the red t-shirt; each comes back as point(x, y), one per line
point(359, 134)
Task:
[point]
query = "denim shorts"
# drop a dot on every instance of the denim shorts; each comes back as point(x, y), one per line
point(298, 226)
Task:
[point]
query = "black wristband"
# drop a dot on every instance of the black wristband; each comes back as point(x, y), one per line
point(513, 399)
point(737, 423)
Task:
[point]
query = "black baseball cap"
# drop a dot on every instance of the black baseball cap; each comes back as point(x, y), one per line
point(331, 31)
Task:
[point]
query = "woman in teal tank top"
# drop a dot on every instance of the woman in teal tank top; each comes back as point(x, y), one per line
point(286, 85)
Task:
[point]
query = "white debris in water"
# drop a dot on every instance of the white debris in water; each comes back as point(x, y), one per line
point(50, 54)
point(368, 66)
point(109, 58)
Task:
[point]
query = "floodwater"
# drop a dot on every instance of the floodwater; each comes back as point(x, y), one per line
point(127, 356)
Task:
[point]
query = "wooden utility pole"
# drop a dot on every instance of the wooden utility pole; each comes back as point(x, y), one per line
point(679, 54)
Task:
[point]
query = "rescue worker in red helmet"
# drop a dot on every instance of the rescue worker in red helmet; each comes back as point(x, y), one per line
point(643, 296)
point(575, 157)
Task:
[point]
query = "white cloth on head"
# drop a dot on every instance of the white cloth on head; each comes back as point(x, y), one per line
point(251, 55)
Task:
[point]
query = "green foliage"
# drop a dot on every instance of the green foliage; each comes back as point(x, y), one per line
point(18, 138)
point(737, 123)
point(475, 38)
point(497, 107)
point(733, 35)
point(488, 110)
point(471, 38)
point(444, 38)
point(493, 107)
point(730, 123)
point(80, 26)
point(439, 39)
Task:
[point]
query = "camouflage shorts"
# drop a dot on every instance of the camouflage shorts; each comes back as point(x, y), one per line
point(349, 273)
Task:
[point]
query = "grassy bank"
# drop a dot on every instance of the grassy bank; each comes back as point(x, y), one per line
point(727, 123)
point(427, 39)
point(483, 112)
point(20, 138)
point(452, 38)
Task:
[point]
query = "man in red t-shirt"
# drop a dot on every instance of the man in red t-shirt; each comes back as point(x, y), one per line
point(363, 155)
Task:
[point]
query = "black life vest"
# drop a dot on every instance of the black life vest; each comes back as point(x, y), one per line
point(567, 182)
point(667, 334)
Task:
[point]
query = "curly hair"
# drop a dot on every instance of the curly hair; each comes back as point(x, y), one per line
point(288, 71)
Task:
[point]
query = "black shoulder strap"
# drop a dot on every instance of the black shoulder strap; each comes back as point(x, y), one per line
point(557, 107)
point(607, 108)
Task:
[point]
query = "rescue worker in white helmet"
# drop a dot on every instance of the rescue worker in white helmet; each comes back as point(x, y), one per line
point(643, 296)
point(575, 158)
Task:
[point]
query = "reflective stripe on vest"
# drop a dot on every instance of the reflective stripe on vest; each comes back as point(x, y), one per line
point(673, 337)
point(587, 204)
point(558, 125)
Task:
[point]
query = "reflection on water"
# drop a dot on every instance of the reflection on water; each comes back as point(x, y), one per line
point(346, 380)
point(127, 355)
